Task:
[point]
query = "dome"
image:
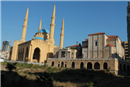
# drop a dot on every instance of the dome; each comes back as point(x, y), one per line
point(44, 31)
point(40, 38)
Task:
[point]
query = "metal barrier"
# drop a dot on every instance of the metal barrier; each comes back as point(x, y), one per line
point(25, 62)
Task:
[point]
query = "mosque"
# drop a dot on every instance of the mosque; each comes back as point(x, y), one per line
point(99, 51)
point(40, 47)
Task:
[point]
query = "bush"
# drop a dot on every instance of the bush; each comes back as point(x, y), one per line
point(37, 66)
point(112, 74)
point(90, 84)
point(45, 65)
point(108, 69)
point(50, 69)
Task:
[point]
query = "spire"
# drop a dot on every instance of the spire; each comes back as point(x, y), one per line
point(40, 25)
point(62, 34)
point(62, 24)
point(26, 17)
point(53, 15)
point(25, 26)
point(52, 26)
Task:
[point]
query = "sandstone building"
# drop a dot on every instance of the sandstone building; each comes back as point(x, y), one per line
point(99, 52)
point(40, 47)
point(99, 46)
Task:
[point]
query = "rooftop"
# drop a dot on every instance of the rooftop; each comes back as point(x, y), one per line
point(97, 33)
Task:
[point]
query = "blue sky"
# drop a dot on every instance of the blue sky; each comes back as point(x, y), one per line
point(80, 17)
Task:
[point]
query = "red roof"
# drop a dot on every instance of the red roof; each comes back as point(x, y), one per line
point(74, 45)
point(97, 33)
point(110, 45)
point(110, 38)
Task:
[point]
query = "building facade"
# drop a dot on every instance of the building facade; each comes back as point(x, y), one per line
point(125, 45)
point(5, 46)
point(99, 52)
point(5, 49)
point(99, 46)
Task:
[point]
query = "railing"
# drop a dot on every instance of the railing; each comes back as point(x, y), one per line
point(82, 59)
point(25, 62)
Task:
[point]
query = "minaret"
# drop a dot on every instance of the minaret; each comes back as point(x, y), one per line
point(62, 34)
point(25, 27)
point(52, 25)
point(40, 25)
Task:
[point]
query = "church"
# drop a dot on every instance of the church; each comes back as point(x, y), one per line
point(40, 47)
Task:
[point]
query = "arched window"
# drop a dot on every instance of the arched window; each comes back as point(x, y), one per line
point(62, 64)
point(89, 65)
point(65, 65)
point(73, 65)
point(58, 65)
point(96, 65)
point(105, 65)
point(52, 64)
point(81, 65)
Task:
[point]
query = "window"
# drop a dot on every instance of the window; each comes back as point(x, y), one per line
point(65, 65)
point(96, 43)
point(72, 53)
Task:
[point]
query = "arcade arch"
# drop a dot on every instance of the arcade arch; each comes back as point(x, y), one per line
point(73, 65)
point(96, 65)
point(89, 65)
point(36, 54)
point(62, 64)
point(105, 65)
point(81, 65)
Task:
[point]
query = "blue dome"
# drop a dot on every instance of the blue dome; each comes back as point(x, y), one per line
point(44, 31)
point(40, 38)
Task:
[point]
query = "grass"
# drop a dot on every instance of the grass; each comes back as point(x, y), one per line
point(37, 66)
point(4, 63)
point(24, 65)
point(51, 69)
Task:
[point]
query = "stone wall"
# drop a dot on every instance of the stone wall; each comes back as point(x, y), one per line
point(101, 64)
